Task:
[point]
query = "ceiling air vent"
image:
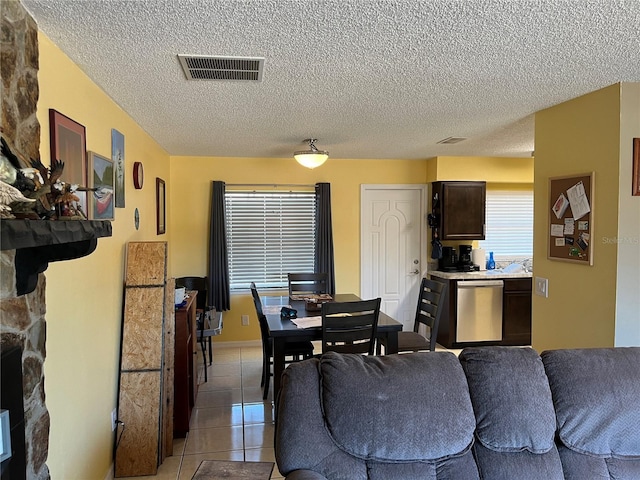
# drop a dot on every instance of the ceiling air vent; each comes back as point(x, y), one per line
point(451, 140)
point(202, 67)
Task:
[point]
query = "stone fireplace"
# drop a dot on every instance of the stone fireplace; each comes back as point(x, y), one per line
point(23, 317)
point(26, 248)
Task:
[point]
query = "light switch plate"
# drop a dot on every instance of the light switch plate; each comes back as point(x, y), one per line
point(542, 287)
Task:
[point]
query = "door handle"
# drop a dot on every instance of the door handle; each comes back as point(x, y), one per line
point(416, 272)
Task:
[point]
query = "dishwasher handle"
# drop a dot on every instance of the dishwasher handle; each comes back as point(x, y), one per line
point(480, 283)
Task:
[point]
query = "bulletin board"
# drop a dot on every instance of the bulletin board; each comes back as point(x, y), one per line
point(571, 219)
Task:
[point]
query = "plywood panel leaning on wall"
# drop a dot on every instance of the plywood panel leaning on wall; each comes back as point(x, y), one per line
point(145, 403)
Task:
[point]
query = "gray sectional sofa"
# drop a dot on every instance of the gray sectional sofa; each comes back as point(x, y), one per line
point(491, 413)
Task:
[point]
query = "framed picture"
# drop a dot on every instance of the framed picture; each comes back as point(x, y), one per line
point(636, 167)
point(69, 144)
point(117, 155)
point(160, 206)
point(570, 232)
point(101, 178)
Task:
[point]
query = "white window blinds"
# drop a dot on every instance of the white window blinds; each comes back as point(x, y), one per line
point(509, 224)
point(269, 234)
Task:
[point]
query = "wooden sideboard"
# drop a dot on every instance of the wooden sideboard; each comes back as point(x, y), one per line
point(185, 365)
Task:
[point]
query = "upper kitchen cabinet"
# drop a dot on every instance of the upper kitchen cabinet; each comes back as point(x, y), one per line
point(460, 209)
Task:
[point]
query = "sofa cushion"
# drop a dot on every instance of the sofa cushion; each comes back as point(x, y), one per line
point(397, 408)
point(511, 399)
point(596, 393)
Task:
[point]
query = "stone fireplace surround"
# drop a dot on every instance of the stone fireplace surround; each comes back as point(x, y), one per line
point(22, 315)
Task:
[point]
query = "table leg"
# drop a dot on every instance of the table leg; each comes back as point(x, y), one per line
point(278, 363)
point(392, 342)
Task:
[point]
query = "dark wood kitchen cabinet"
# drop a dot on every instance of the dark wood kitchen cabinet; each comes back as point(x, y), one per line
point(460, 209)
point(516, 312)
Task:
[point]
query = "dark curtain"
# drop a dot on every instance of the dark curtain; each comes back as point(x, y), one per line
point(324, 235)
point(219, 295)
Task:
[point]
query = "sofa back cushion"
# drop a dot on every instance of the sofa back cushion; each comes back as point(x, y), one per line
point(511, 399)
point(596, 393)
point(411, 407)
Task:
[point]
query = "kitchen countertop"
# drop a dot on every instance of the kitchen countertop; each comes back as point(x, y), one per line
point(482, 275)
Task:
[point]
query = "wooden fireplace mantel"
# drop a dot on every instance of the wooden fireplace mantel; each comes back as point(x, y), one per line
point(38, 242)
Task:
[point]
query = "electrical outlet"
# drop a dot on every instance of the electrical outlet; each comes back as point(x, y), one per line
point(114, 419)
point(542, 287)
point(245, 320)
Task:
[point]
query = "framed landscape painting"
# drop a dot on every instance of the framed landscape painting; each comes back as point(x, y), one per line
point(101, 199)
point(69, 145)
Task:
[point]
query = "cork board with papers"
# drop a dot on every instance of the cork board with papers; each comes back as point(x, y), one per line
point(571, 218)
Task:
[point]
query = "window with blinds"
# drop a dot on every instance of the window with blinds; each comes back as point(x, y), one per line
point(509, 224)
point(269, 234)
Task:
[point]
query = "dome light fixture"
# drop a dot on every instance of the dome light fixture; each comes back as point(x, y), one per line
point(313, 157)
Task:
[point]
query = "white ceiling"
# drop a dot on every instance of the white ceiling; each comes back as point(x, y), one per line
point(368, 78)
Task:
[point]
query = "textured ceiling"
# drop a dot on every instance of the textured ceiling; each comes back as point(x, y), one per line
point(368, 78)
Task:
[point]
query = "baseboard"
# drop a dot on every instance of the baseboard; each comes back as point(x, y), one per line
point(245, 343)
point(110, 473)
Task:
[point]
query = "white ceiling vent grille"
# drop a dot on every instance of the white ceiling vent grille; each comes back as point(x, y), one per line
point(202, 67)
point(452, 140)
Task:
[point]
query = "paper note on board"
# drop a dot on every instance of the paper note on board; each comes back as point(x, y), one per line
point(560, 206)
point(557, 230)
point(578, 201)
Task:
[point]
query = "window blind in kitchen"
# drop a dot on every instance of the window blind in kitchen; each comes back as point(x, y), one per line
point(269, 234)
point(509, 224)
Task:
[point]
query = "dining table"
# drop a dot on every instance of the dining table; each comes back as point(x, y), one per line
point(283, 330)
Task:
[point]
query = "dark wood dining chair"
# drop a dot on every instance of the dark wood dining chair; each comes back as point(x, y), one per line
point(425, 325)
point(294, 351)
point(204, 314)
point(308, 283)
point(350, 327)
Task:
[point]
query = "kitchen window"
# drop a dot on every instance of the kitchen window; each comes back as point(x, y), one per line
point(509, 224)
point(269, 234)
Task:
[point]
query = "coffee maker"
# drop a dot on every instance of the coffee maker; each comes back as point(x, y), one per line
point(465, 264)
point(448, 261)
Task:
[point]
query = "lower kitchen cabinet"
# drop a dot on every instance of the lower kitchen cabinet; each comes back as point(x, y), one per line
point(516, 312)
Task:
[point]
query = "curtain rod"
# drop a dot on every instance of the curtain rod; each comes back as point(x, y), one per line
point(268, 185)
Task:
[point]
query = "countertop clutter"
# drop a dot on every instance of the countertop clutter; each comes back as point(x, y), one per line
point(482, 275)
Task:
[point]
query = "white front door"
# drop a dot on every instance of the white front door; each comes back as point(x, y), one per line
point(393, 250)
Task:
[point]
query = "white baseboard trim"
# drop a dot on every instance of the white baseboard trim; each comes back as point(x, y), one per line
point(245, 343)
point(110, 473)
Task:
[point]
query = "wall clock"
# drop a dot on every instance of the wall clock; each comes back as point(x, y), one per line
point(138, 175)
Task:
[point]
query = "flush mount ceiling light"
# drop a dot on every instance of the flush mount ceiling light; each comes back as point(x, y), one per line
point(313, 157)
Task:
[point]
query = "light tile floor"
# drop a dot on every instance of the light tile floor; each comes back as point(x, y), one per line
point(230, 420)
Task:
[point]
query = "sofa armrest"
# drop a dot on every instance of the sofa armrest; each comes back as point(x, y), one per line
point(305, 475)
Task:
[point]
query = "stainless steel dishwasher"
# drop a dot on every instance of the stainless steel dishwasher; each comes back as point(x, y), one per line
point(479, 307)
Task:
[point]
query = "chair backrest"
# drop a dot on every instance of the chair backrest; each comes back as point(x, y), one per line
point(308, 283)
point(429, 309)
point(350, 327)
point(196, 283)
point(262, 320)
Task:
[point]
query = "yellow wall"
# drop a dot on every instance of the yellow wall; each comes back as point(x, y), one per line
point(190, 199)
point(84, 296)
point(628, 239)
point(578, 136)
point(487, 169)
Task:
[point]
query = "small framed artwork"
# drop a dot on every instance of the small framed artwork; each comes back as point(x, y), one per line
point(117, 155)
point(160, 206)
point(636, 167)
point(69, 145)
point(101, 181)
